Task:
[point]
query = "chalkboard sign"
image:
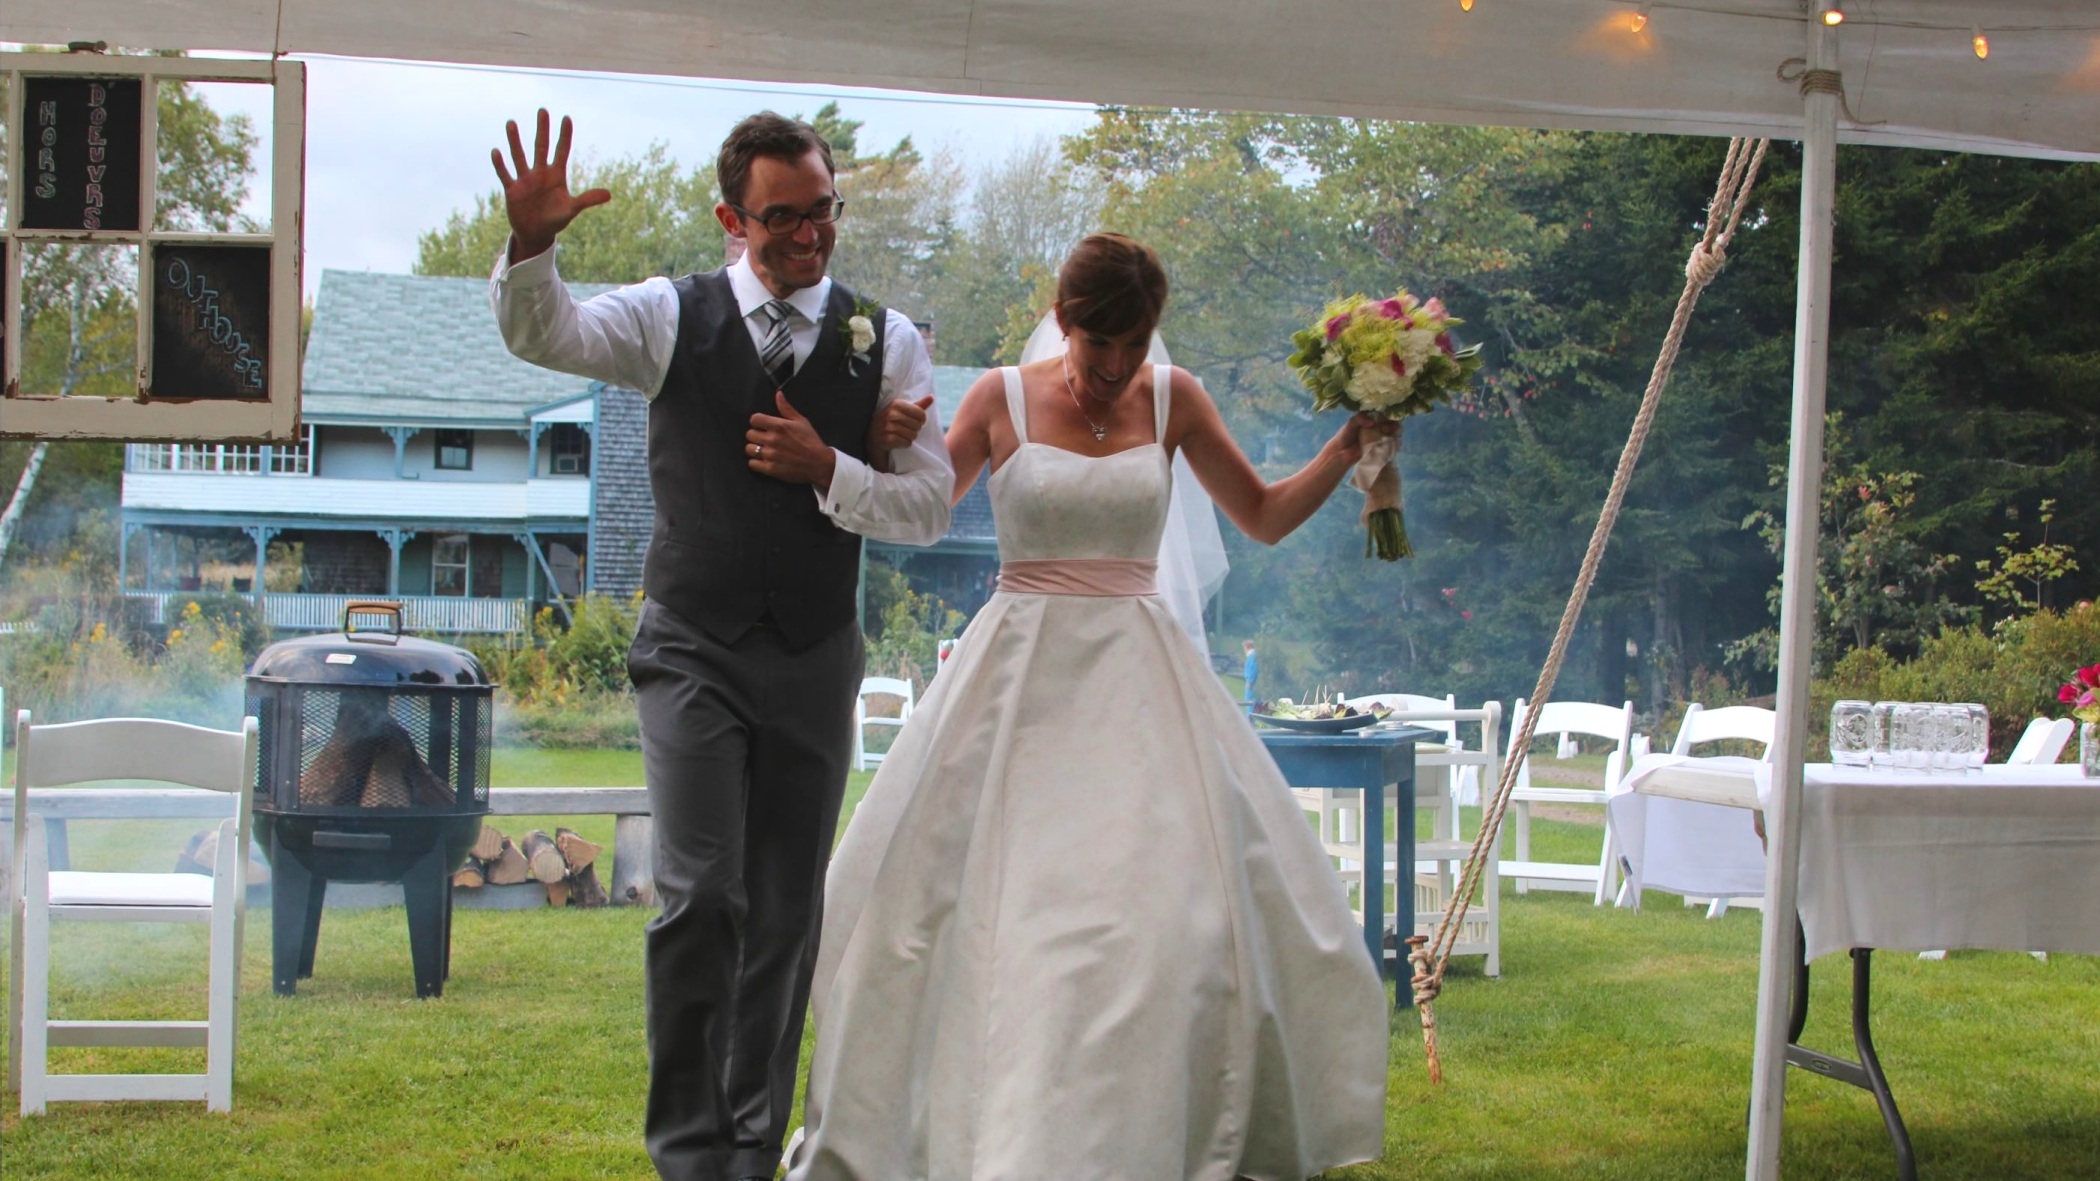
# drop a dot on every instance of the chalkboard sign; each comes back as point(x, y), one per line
point(211, 322)
point(81, 145)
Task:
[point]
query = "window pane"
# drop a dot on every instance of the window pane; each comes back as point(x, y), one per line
point(455, 450)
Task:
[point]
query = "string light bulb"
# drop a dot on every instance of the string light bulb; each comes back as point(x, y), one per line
point(1640, 15)
point(1833, 16)
point(1979, 42)
point(1465, 5)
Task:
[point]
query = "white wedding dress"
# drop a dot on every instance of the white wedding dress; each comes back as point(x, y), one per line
point(1079, 927)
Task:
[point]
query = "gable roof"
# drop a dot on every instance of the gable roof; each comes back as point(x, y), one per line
point(420, 349)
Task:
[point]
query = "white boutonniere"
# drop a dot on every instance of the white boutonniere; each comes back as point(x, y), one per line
point(860, 336)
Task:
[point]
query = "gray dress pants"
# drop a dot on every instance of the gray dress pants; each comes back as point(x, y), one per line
point(745, 748)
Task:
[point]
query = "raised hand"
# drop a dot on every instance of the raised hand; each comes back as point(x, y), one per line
point(537, 198)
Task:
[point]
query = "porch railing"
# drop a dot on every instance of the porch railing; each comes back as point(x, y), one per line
point(221, 458)
point(443, 614)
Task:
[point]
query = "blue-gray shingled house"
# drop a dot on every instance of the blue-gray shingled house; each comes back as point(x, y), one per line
point(439, 470)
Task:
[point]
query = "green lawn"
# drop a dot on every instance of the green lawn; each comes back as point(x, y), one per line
point(1615, 1046)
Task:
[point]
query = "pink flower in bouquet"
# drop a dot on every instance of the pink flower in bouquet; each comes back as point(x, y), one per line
point(1444, 342)
point(1434, 309)
point(1399, 366)
point(1392, 309)
point(1335, 324)
point(2090, 677)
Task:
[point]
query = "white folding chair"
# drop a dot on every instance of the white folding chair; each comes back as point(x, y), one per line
point(1442, 848)
point(92, 752)
point(863, 758)
point(1567, 719)
point(2042, 742)
point(1722, 841)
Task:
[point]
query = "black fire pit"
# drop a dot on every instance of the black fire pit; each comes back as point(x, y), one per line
point(374, 767)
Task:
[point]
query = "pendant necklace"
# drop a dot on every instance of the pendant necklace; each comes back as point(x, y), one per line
point(1100, 429)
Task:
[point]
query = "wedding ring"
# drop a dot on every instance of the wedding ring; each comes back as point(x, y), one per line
point(757, 450)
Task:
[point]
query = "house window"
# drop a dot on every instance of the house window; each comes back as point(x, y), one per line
point(455, 450)
point(568, 450)
point(448, 564)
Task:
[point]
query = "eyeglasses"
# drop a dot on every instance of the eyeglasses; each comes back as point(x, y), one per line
point(781, 222)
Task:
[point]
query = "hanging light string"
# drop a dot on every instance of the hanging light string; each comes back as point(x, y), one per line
point(1646, 12)
point(1979, 43)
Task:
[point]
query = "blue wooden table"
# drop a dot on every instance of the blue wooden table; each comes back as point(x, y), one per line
point(1366, 761)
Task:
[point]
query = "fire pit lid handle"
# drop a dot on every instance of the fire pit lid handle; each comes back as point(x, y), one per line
point(372, 607)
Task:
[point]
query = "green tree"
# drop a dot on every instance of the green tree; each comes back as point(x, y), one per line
point(660, 221)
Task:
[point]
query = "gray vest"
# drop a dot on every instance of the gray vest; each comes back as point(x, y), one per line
point(732, 547)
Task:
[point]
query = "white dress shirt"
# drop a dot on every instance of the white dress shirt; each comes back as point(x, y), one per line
point(626, 337)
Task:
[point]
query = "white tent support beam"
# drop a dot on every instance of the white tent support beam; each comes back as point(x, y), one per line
point(1775, 976)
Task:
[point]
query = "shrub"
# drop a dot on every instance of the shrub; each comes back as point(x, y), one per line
point(237, 615)
point(566, 685)
point(2013, 670)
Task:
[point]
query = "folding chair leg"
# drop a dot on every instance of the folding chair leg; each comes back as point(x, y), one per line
point(1607, 866)
point(1718, 908)
point(231, 877)
point(1492, 887)
point(34, 1031)
point(1523, 841)
point(14, 981)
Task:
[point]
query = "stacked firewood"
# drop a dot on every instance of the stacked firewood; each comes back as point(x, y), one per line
point(564, 863)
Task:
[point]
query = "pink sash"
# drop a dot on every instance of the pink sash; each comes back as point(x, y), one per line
point(1079, 576)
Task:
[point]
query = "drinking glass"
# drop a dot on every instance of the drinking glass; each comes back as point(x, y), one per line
point(1950, 746)
point(1909, 736)
point(1884, 753)
point(1852, 733)
point(1978, 751)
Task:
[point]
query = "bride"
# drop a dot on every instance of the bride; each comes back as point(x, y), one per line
point(1078, 927)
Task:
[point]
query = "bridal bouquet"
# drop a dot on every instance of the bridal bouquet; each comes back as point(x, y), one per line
point(1392, 358)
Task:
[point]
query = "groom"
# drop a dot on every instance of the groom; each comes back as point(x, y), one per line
point(763, 380)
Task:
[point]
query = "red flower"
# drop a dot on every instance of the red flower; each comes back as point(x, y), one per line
point(1443, 341)
point(2090, 677)
point(1335, 326)
point(1392, 309)
point(1399, 366)
point(1465, 615)
point(2067, 693)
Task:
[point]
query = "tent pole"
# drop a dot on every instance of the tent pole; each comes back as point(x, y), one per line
point(1797, 607)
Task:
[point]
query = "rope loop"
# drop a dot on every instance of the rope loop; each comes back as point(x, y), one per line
point(1705, 264)
point(1795, 69)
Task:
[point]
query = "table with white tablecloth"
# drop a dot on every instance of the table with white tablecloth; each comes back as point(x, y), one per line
point(2002, 857)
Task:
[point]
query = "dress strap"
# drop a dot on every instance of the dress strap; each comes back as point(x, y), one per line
point(1016, 405)
point(1162, 401)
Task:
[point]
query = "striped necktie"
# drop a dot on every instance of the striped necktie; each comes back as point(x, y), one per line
point(778, 353)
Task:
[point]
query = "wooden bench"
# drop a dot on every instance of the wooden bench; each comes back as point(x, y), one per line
point(633, 833)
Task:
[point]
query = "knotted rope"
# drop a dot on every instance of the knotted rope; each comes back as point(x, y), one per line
point(1430, 955)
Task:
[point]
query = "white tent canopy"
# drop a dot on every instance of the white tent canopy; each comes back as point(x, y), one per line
point(1910, 77)
point(1700, 66)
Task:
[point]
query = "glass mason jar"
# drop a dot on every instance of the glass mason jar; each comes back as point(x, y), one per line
point(2089, 749)
point(1852, 733)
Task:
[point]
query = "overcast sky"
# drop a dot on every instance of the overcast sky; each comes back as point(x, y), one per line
point(392, 148)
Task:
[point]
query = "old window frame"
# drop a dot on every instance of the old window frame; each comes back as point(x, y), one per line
point(163, 416)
